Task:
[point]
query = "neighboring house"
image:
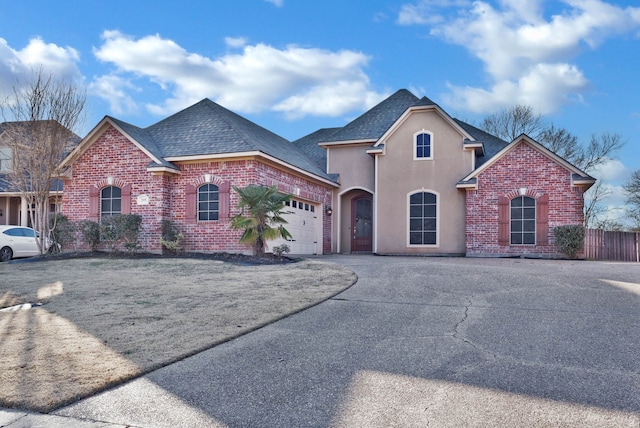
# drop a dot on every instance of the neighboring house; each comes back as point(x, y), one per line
point(14, 208)
point(403, 178)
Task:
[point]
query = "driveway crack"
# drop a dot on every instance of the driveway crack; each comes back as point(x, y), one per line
point(458, 335)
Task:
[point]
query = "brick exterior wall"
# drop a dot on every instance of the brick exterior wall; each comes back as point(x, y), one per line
point(113, 155)
point(521, 168)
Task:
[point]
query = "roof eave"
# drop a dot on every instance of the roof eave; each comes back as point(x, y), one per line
point(250, 154)
point(346, 142)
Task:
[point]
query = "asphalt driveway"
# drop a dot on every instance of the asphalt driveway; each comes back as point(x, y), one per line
point(417, 342)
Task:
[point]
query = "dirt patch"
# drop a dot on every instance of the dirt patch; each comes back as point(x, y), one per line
point(105, 320)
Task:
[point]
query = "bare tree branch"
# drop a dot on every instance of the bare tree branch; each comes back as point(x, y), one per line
point(42, 115)
point(510, 123)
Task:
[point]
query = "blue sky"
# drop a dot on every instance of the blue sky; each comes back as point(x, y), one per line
point(296, 66)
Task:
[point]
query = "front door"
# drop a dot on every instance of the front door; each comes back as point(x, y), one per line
point(361, 224)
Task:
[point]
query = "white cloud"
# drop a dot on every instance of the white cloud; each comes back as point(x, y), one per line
point(277, 3)
point(113, 89)
point(545, 86)
point(427, 11)
point(236, 42)
point(526, 55)
point(613, 170)
point(295, 81)
point(18, 65)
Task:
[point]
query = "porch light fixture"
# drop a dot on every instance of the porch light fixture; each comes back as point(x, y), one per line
point(328, 211)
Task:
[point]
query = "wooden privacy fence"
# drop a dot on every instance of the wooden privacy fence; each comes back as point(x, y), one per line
point(607, 245)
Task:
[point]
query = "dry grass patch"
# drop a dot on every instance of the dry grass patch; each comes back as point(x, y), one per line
point(103, 321)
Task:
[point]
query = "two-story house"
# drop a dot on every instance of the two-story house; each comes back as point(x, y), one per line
point(402, 178)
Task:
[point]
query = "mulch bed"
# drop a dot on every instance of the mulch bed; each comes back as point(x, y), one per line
point(240, 259)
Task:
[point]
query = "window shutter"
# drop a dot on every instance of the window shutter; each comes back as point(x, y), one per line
point(542, 220)
point(191, 210)
point(224, 199)
point(503, 220)
point(94, 203)
point(125, 194)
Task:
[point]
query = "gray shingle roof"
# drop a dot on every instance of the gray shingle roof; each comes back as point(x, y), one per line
point(5, 185)
point(492, 144)
point(207, 128)
point(309, 145)
point(375, 122)
point(144, 139)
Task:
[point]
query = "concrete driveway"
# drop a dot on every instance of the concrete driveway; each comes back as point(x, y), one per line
point(418, 342)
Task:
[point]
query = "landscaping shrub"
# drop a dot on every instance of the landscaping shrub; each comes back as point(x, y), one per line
point(62, 231)
point(171, 237)
point(129, 226)
point(279, 250)
point(121, 228)
point(90, 233)
point(569, 239)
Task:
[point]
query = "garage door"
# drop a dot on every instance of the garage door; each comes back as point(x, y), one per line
point(302, 224)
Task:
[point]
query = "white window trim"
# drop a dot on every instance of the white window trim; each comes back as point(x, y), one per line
point(535, 223)
point(408, 212)
point(415, 145)
point(198, 202)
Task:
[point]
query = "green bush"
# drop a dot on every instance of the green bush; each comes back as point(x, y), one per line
point(279, 250)
point(569, 239)
point(171, 237)
point(130, 231)
point(62, 231)
point(90, 233)
point(121, 228)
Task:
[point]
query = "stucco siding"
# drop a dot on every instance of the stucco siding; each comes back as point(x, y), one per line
point(400, 175)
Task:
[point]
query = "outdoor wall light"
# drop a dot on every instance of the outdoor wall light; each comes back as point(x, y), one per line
point(329, 211)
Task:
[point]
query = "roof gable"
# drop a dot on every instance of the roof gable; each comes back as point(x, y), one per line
point(373, 124)
point(134, 134)
point(204, 129)
point(578, 176)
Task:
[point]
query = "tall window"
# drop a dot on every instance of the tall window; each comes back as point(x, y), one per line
point(208, 202)
point(423, 224)
point(423, 146)
point(5, 159)
point(110, 201)
point(523, 221)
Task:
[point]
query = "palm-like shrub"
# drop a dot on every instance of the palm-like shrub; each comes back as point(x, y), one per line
point(260, 217)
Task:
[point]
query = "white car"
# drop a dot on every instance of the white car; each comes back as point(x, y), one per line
point(17, 241)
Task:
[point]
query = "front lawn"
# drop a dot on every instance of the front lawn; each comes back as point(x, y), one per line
point(103, 321)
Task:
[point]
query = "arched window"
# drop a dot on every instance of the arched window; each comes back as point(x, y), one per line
point(423, 145)
point(423, 218)
point(208, 202)
point(523, 221)
point(110, 201)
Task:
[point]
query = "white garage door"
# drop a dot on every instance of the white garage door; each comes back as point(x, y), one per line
point(302, 224)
